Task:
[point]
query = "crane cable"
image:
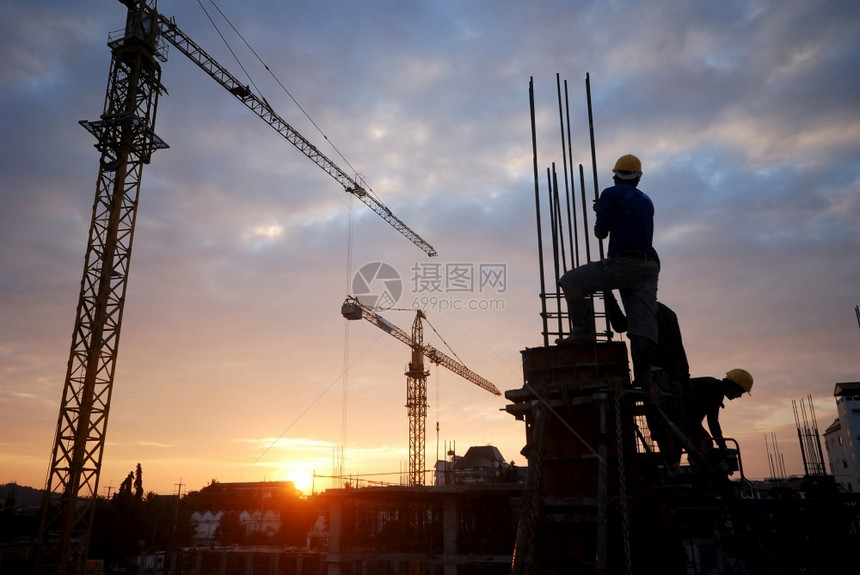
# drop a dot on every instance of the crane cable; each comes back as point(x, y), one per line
point(349, 263)
point(344, 408)
point(229, 48)
point(278, 81)
point(437, 417)
point(454, 353)
point(269, 70)
point(443, 340)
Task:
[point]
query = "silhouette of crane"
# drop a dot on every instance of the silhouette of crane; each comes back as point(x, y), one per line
point(416, 377)
point(126, 139)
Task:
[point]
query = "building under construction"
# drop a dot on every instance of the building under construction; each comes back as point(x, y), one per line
point(597, 497)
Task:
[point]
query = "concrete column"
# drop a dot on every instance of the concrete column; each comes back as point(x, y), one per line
point(334, 534)
point(450, 532)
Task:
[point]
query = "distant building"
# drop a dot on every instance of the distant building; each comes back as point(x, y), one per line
point(266, 522)
point(260, 490)
point(204, 524)
point(842, 437)
point(258, 506)
point(481, 464)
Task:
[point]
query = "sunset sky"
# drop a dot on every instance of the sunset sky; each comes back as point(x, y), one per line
point(235, 363)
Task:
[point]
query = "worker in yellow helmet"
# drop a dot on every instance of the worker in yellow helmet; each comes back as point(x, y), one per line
point(626, 215)
point(704, 400)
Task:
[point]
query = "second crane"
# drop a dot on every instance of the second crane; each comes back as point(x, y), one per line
point(416, 377)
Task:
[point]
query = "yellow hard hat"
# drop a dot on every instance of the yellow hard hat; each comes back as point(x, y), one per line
point(742, 378)
point(628, 163)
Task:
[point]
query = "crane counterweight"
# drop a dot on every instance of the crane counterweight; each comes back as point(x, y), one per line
point(350, 311)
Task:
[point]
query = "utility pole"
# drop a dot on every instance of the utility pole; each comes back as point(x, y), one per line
point(176, 512)
point(169, 558)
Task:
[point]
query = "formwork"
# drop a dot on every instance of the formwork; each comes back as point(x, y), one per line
point(576, 403)
point(593, 504)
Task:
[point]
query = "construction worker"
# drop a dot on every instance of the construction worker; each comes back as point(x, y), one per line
point(626, 215)
point(704, 399)
point(671, 375)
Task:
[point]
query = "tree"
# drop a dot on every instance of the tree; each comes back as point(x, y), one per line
point(125, 486)
point(119, 526)
point(115, 529)
point(15, 521)
point(10, 502)
point(230, 530)
point(138, 483)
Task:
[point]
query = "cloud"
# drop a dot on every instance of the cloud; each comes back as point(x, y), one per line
point(744, 115)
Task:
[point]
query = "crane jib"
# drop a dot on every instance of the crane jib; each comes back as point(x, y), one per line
point(353, 309)
point(263, 110)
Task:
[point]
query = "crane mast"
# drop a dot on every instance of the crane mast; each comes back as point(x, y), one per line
point(416, 377)
point(126, 139)
point(416, 403)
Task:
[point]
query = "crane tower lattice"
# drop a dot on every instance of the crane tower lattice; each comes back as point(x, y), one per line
point(126, 139)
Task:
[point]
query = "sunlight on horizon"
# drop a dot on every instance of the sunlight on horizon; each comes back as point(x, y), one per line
point(302, 478)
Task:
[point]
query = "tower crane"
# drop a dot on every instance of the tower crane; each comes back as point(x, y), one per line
point(416, 377)
point(126, 139)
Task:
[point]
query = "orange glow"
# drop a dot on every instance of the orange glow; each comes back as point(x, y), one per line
point(301, 477)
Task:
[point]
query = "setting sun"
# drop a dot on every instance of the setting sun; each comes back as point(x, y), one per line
point(301, 477)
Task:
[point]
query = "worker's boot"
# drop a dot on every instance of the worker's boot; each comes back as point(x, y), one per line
point(641, 355)
point(582, 317)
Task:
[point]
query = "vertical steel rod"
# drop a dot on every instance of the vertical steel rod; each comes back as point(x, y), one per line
point(584, 213)
point(557, 239)
point(593, 151)
point(564, 167)
point(537, 212)
point(571, 198)
point(594, 172)
point(559, 226)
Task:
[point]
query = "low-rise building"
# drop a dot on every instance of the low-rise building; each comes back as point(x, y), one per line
point(842, 437)
point(257, 506)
